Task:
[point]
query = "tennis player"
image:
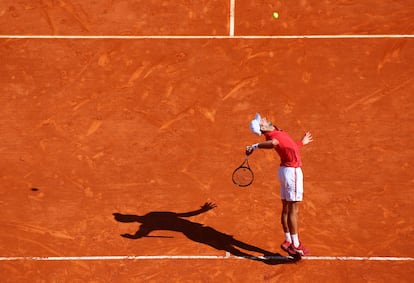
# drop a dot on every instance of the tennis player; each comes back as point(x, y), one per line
point(290, 177)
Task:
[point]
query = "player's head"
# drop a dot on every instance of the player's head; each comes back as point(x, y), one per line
point(260, 125)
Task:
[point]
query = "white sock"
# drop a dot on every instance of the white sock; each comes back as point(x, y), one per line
point(295, 240)
point(287, 237)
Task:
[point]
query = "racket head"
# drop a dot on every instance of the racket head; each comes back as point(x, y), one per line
point(243, 176)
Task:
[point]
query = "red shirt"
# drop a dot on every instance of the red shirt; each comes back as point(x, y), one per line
point(287, 148)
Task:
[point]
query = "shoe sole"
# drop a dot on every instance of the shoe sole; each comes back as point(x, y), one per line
point(297, 252)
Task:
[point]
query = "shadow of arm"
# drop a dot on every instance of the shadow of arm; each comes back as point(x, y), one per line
point(142, 232)
point(204, 208)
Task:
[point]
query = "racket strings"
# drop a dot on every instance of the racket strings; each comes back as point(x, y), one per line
point(243, 176)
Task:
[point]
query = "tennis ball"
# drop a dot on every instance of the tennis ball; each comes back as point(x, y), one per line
point(275, 15)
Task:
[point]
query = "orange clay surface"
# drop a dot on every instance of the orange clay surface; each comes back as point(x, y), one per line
point(103, 126)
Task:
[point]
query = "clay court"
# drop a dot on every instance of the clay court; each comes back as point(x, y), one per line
point(143, 108)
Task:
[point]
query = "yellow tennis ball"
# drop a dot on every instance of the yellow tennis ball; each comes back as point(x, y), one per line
point(275, 15)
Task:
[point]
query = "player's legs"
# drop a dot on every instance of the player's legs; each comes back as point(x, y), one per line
point(284, 216)
point(289, 218)
point(291, 193)
point(296, 248)
point(284, 221)
point(292, 216)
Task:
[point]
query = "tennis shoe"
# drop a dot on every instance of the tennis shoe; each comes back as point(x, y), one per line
point(285, 246)
point(300, 250)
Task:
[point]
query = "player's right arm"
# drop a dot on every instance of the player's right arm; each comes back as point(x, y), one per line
point(270, 144)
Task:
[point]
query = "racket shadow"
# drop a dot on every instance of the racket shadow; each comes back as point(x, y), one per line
point(197, 232)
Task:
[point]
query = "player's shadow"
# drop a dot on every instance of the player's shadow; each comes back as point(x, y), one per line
point(171, 221)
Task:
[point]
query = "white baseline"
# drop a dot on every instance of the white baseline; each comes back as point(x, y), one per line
point(134, 37)
point(191, 257)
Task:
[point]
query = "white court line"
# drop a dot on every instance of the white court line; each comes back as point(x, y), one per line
point(327, 36)
point(232, 16)
point(359, 258)
point(227, 256)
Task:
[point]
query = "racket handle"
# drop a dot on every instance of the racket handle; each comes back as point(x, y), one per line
point(253, 146)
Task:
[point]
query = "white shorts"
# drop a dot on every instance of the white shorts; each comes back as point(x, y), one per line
point(291, 183)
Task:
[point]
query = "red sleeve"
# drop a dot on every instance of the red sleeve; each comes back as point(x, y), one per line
point(300, 143)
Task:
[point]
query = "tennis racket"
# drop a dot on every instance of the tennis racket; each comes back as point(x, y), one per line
point(243, 175)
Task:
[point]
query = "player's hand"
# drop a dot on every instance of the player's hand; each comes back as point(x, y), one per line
point(249, 150)
point(307, 138)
